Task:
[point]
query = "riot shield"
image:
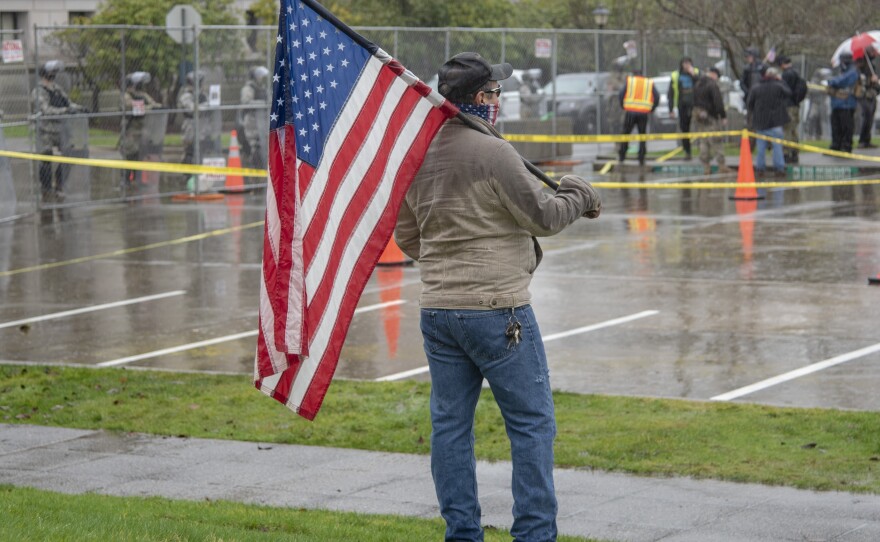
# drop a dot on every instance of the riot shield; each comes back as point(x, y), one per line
point(261, 155)
point(8, 200)
point(75, 144)
point(152, 145)
point(211, 148)
point(210, 130)
point(153, 135)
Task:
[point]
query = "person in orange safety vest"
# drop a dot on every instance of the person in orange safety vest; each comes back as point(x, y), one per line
point(639, 98)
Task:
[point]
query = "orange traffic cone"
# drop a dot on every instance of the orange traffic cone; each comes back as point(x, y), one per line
point(745, 209)
point(392, 255)
point(746, 172)
point(234, 183)
point(390, 280)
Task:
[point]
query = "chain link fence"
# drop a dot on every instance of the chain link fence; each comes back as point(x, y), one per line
point(15, 91)
point(192, 121)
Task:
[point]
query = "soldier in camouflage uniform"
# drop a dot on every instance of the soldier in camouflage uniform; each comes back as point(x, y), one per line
point(253, 93)
point(137, 103)
point(186, 100)
point(50, 100)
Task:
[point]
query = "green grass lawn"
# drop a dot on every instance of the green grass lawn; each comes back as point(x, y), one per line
point(805, 448)
point(34, 515)
point(104, 138)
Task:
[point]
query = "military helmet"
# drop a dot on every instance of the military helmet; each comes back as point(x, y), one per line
point(191, 77)
point(259, 74)
point(138, 79)
point(753, 51)
point(51, 68)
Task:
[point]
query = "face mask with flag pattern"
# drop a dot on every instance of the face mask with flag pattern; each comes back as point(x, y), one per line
point(487, 112)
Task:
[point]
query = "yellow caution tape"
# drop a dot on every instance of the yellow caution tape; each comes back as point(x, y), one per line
point(669, 155)
point(619, 138)
point(139, 166)
point(704, 186)
point(607, 167)
point(819, 150)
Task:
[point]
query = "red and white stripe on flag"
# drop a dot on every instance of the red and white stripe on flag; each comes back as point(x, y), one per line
point(349, 130)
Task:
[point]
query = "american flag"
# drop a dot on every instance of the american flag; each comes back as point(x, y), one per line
point(349, 128)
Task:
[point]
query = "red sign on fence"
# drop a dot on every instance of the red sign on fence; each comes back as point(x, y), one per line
point(13, 51)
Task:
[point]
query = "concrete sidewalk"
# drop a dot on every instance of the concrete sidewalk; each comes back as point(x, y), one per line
point(595, 504)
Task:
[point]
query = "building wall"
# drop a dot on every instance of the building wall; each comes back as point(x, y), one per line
point(25, 14)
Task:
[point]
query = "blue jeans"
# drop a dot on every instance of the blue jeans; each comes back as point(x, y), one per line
point(761, 149)
point(464, 347)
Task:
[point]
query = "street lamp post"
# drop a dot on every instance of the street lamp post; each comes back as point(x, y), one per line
point(600, 17)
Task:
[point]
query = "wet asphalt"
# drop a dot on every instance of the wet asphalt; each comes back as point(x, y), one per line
point(670, 293)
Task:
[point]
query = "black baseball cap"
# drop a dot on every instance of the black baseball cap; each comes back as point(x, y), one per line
point(465, 73)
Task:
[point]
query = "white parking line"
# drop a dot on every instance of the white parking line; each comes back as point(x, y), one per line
point(218, 340)
point(92, 308)
point(548, 338)
point(600, 325)
point(791, 375)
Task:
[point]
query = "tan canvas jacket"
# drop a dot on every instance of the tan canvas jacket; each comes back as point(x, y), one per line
point(470, 215)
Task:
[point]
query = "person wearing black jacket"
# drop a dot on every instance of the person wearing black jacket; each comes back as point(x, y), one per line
point(709, 116)
point(768, 101)
point(868, 100)
point(798, 87)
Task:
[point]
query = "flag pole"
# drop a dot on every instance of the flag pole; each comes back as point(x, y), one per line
point(470, 123)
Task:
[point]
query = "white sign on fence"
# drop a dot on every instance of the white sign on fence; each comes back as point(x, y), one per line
point(13, 51)
point(543, 48)
point(209, 182)
point(214, 96)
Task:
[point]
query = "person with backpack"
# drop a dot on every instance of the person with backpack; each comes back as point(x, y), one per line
point(798, 87)
point(843, 103)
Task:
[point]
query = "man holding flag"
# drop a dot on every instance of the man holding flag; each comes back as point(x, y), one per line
point(349, 129)
point(469, 219)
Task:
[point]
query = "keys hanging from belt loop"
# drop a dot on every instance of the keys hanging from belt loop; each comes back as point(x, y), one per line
point(513, 331)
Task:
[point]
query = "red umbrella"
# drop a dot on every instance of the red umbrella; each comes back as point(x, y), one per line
point(857, 45)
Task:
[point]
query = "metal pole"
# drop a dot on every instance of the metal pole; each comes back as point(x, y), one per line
point(198, 94)
point(446, 49)
point(597, 43)
point(553, 77)
point(599, 64)
point(122, 83)
point(503, 46)
point(35, 172)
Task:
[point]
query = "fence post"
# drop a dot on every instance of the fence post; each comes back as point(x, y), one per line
point(32, 107)
point(122, 82)
point(598, 36)
point(554, 65)
point(197, 157)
